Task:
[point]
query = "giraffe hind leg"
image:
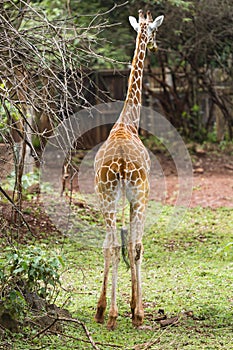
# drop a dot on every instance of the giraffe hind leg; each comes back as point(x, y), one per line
point(111, 254)
point(137, 217)
point(135, 251)
point(138, 312)
point(113, 313)
point(133, 279)
point(102, 303)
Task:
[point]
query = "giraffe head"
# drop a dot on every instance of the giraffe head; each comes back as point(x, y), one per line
point(148, 27)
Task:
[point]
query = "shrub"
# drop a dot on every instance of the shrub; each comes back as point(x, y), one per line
point(33, 270)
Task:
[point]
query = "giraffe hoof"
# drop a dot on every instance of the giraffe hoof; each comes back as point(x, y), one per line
point(99, 316)
point(137, 319)
point(111, 325)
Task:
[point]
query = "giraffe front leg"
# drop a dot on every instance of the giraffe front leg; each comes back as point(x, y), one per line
point(113, 312)
point(102, 303)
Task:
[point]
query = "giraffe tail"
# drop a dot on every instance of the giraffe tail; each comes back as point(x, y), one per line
point(124, 243)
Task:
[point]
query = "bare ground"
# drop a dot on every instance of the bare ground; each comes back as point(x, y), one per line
point(212, 179)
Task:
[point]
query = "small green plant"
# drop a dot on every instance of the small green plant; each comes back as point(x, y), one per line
point(13, 303)
point(27, 180)
point(193, 120)
point(154, 143)
point(36, 268)
point(33, 270)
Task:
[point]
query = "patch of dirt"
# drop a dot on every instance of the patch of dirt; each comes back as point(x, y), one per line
point(212, 179)
point(40, 225)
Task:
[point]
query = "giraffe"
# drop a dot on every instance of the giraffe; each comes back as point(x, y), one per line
point(122, 167)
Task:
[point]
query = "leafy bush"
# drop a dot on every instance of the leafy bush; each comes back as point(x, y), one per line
point(33, 270)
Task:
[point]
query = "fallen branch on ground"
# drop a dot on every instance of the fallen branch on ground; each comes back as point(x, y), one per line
point(62, 319)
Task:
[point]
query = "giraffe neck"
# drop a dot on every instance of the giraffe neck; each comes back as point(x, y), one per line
point(130, 114)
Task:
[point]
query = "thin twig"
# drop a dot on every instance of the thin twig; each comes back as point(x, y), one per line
point(64, 319)
point(87, 341)
point(45, 329)
point(15, 207)
point(84, 328)
point(149, 344)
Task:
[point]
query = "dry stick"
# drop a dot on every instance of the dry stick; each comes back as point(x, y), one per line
point(152, 342)
point(15, 207)
point(85, 329)
point(68, 320)
point(87, 341)
point(23, 137)
point(45, 329)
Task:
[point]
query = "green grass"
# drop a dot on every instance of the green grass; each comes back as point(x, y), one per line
point(188, 269)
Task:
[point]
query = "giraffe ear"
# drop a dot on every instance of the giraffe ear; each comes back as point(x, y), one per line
point(157, 22)
point(134, 23)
